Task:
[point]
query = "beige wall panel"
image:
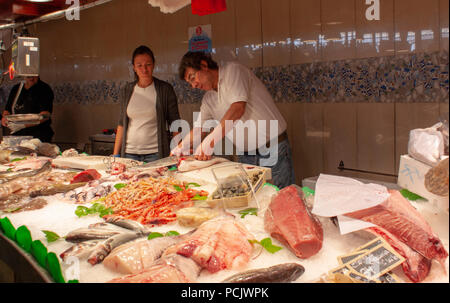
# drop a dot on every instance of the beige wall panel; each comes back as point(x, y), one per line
point(375, 38)
point(340, 124)
point(305, 132)
point(376, 137)
point(95, 118)
point(410, 116)
point(305, 31)
point(186, 111)
point(175, 34)
point(416, 26)
point(248, 33)
point(276, 32)
point(443, 24)
point(223, 26)
point(338, 29)
point(443, 109)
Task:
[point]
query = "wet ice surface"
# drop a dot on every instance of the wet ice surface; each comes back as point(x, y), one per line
point(59, 217)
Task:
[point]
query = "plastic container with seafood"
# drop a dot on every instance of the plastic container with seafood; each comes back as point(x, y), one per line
point(235, 186)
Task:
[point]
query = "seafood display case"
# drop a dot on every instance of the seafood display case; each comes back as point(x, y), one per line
point(120, 221)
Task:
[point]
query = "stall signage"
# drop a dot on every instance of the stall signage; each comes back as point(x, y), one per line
point(200, 38)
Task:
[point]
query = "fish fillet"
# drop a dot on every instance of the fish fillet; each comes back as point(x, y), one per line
point(217, 244)
point(416, 267)
point(169, 269)
point(137, 255)
point(400, 218)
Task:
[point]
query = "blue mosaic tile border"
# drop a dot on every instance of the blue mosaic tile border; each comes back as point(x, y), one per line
point(419, 77)
point(407, 78)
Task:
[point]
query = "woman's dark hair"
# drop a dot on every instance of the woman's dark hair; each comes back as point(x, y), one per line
point(143, 50)
point(193, 60)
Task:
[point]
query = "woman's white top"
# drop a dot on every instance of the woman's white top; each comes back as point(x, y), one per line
point(142, 136)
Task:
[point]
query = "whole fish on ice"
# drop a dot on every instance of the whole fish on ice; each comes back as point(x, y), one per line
point(280, 273)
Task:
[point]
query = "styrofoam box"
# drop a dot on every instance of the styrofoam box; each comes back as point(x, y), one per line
point(411, 175)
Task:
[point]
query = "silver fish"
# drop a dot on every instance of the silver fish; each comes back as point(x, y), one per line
point(6, 177)
point(86, 234)
point(80, 249)
point(56, 189)
point(104, 248)
point(280, 273)
point(129, 224)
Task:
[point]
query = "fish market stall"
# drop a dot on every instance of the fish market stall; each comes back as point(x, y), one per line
point(189, 221)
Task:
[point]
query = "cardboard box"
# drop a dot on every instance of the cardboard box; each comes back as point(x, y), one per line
point(411, 175)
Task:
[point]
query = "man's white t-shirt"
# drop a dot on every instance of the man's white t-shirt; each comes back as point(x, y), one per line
point(142, 135)
point(238, 83)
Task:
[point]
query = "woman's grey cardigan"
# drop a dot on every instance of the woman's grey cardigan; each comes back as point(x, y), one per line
point(166, 113)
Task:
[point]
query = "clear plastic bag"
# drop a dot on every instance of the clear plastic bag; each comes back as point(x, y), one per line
point(426, 145)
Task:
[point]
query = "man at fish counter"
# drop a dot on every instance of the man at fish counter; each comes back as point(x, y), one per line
point(246, 115)
point(32, 96)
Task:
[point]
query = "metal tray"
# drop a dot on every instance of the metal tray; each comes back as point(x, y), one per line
point(24, 118)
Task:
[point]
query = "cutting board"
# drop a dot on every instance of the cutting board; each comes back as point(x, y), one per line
point(90, 162)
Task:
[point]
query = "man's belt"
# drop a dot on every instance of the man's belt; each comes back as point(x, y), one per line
point(283, 136)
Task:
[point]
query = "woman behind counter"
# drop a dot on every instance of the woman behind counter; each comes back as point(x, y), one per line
point(147, 108)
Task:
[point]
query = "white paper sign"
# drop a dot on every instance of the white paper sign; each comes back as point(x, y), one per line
point(337, 195)
point(348, 225)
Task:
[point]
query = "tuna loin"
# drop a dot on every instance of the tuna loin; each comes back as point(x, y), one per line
point(86, 176)
point(416, 267)
point(289, 220)
point(400, 218)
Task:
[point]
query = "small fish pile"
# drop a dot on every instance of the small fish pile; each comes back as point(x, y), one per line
point(90, 191)
point(152, 201)
point(97, 240)
point(14, 193)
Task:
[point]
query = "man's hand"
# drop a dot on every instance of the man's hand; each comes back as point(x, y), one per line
point(4, 121)
point(181, 150)
point(205, 150)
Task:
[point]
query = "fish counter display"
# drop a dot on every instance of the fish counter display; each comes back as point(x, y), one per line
point(129, 222)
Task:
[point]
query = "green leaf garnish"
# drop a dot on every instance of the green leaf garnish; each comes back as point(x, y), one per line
point(198, 197)
point(11, 210)
point(9, 169)
point(99, 208)
point(266, 243)
point(193, 184)
point(107, 211)
point(177, 188)
point(51, 236)
point(172, 233)
point(119, 185)
point(154, 235)
point(81, 211)
point(410, 196)
point(248, 211)
point(18, 159)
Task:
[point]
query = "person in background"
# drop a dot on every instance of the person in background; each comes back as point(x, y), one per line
point(147, 108)
point(33, 96)
point(234, 93)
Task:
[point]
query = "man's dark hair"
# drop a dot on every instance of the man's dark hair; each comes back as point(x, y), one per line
point(142, 50)
point(193, 60)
